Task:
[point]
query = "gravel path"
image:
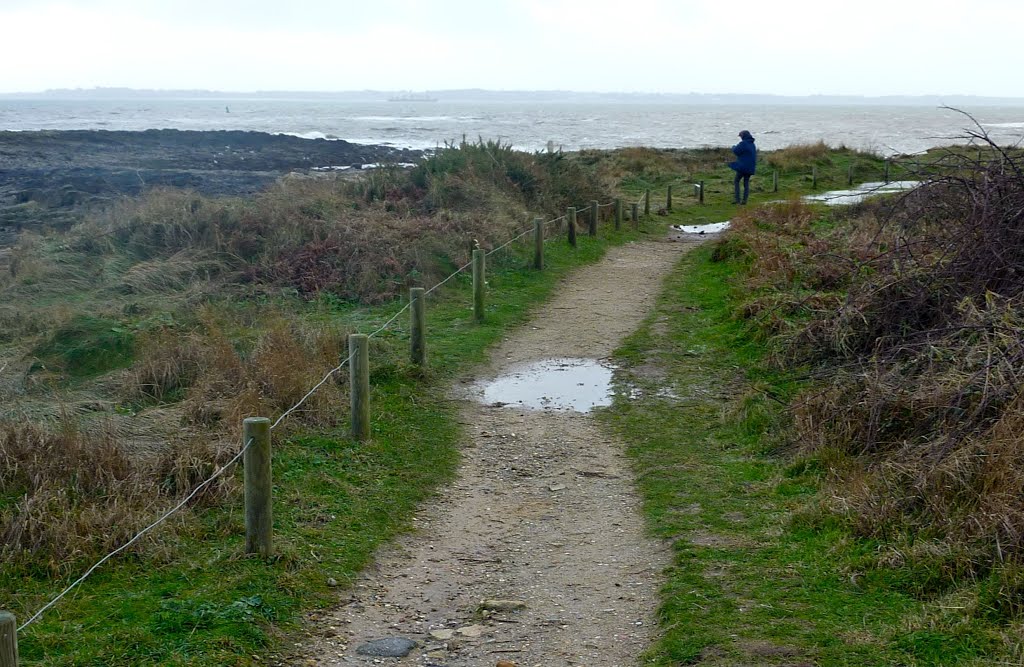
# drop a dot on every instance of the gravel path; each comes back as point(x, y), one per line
point(537, 554)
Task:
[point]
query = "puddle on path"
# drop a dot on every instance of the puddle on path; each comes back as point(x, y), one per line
point(552, 384)
point(862, 192)
point(713, 228)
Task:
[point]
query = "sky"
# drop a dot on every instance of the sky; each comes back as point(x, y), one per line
point(783, 47)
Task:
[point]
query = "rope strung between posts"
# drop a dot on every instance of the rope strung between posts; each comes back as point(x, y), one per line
point(220, 471)
point(138, 535)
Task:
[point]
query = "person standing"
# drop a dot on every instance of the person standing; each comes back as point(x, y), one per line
point(745, 165)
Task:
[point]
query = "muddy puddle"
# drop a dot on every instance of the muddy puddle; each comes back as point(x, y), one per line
point(578, 385)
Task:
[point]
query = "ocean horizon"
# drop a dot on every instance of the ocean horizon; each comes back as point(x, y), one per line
point(532, 126)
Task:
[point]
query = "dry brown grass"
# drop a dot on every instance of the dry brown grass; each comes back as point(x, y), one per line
point(76, 496)
point(920, 346)
point(799, 155)
point(175, 275)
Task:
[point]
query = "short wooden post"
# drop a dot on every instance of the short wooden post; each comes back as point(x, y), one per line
point(886, 170)
point(418, 315)
point(775, 180)
point(479, 277)
point(647, 202)
point(849, 174)
point(359, 383)
point(668, 199)
point(814, 177)
point(570, 216)
point(592, 220)
point(701, 193)
point(618, 213)
point(538, 243)
point(634, 214)
point(8, 640)
point(259, 515)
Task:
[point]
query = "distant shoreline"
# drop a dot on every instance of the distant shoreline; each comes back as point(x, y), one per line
point(520, 96)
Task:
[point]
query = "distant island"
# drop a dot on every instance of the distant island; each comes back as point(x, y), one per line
point(524, 96)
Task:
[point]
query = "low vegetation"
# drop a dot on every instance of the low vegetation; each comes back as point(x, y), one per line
point(833, 445)
point(132, 345)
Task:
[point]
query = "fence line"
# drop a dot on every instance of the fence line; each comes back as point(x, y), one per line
point(132, 541)
point(220, 471)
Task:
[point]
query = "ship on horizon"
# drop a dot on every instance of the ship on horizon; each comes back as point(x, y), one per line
point(412, 97)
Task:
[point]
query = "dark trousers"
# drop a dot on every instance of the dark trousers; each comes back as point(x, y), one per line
point(736, 188)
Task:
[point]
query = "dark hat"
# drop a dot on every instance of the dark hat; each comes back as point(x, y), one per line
point(746, 134)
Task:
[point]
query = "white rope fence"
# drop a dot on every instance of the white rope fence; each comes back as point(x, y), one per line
point(220, 471)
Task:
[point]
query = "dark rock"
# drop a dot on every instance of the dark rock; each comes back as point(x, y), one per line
point(390, 647)
point(66, 172)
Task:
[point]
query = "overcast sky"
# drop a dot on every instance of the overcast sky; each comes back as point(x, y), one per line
point(787, 47)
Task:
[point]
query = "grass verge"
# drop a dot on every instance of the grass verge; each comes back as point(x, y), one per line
point(751, 581)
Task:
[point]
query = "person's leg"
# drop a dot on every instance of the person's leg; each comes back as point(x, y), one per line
point(746, 187)
point(736, 188)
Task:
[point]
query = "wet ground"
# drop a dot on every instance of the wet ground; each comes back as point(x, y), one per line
point(830, 198)
point(550, 384)
point(862, 192)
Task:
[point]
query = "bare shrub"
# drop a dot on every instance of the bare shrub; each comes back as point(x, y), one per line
point(917, 416)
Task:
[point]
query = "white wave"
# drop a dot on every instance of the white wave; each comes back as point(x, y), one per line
point(402, 119)
point(314, 134)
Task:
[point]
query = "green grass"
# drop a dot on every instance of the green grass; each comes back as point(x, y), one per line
point(749, 583)
point(87, 346)
point(197, 600)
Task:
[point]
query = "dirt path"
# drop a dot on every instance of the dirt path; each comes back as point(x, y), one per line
point(543, 521)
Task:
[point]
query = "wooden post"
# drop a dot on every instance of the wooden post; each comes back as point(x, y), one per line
point(618, 213)
point(479, 277)
point(359, 383)
point(634, 214)
point(849, 174)
point(701, 195)
point(259, 501)
point(592, 221)
point(886, 170)
point(538, 243)
point(570, 215)
point(668, 199)
point(775, 180)
point(814, 177)
point(8, 640)
point(418, 310)
point(647, 202)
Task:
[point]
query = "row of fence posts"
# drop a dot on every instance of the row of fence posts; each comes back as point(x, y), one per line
point(256, 430)
point(256, 457)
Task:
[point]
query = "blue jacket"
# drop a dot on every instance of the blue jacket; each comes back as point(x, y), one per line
point(746, 157)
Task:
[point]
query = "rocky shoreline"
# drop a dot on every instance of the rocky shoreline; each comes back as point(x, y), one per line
point(51, 177)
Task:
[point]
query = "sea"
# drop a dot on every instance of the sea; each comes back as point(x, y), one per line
point(534, 126)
